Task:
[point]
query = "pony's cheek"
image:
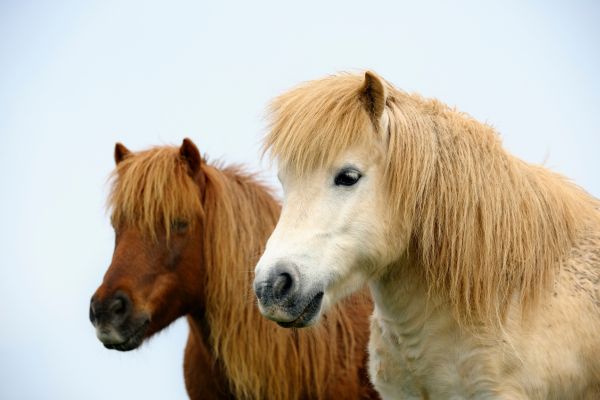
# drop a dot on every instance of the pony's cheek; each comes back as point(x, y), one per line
point(163, 287)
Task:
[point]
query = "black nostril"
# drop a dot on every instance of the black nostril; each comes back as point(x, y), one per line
point(118, 306)
point(282, 285)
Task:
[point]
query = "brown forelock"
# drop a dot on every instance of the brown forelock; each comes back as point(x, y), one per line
point(151, 190)
point(485, 225)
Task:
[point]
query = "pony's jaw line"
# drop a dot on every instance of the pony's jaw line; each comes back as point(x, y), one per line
point(309, 315)
point(284, 319)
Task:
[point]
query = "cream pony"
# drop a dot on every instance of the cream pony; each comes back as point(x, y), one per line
point(484, 269)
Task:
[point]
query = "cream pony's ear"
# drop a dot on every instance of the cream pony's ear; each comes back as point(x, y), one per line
point(121, 152)
point(189, 152)
point(374, 96)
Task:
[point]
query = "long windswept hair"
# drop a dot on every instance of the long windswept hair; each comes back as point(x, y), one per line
point(240, 216)
point(237, 214)
point(485, 226)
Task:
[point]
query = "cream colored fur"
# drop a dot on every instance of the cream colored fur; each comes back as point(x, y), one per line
point(485, 270)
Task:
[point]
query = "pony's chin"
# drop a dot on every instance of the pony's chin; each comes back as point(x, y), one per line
point(134, 340)
point(309, 316)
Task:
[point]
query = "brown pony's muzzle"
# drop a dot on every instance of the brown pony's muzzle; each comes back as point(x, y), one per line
point(117, 326)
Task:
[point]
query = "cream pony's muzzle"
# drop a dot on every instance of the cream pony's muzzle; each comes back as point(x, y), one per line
point(284, 297)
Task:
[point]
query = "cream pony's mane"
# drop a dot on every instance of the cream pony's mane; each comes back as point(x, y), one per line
point(486, 226)
point(238, 213)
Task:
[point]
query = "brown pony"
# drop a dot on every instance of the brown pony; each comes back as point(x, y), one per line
point(187, 236)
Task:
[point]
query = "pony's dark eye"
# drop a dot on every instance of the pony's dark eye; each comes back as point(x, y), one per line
point(347, 177)
point(179, 226)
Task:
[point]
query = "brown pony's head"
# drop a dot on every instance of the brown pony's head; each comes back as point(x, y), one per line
point(155, 275)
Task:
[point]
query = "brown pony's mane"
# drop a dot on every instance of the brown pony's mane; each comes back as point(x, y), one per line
point(485, 225)
point(238, 214)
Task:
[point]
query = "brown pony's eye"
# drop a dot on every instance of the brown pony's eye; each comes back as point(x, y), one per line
point(179, 226)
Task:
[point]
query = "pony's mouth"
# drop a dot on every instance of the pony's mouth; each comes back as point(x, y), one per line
point(133, 341)
point(307, 316)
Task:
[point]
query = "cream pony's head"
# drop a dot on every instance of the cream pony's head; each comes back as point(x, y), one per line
point(333, 233)
point(372, 174)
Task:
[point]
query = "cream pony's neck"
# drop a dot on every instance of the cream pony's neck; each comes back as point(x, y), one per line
point(416, 348)
point(399, 293)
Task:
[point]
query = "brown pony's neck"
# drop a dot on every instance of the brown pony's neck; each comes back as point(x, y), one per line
point(202, 370)
point(239, 215)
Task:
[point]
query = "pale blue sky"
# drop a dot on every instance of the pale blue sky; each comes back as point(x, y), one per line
point(76, 76)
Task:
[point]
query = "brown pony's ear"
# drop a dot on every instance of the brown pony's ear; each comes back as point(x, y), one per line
point(121, 152)
point(189, 152)
point(374, 95)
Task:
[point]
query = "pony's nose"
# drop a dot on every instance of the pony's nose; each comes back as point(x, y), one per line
point(114, 309)
point(281, 285)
